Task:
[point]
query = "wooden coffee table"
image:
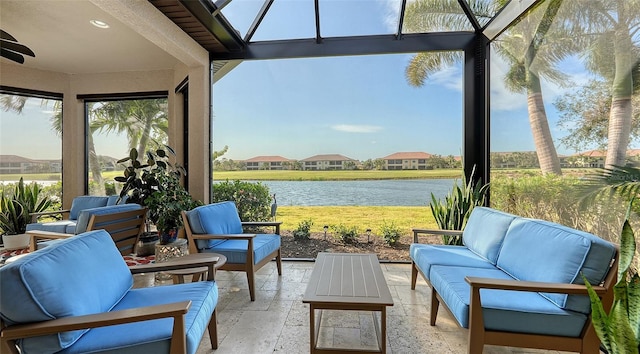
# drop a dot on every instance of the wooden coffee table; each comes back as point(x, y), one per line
point(345, 281)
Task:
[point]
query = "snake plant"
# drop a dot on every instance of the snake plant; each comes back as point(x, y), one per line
point(454, 211)
point(618, 330)
point(16, 207)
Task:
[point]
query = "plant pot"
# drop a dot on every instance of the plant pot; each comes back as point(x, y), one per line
point(147, 244)
point(168, 236)
point(16, 242)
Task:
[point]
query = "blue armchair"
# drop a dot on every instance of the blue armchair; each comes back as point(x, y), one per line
point(217, 228)
point(68, 299)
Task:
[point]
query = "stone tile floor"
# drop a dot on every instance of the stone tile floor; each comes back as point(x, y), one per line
point(278, 321)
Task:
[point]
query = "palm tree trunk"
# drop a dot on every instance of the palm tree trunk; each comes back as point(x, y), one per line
point(621, 109)
point(545, 148)
point(94, 166)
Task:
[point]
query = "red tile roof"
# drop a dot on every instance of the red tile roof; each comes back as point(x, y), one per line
point(408, 156)
point(329, 157)
point(268, 159)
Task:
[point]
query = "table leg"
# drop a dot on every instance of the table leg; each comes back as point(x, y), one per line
point(383, 324)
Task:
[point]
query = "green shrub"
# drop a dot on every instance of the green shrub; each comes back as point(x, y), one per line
point(558, 199)
point(390, 232)
point(303, 231)
point(253, 200)
point(347, 234)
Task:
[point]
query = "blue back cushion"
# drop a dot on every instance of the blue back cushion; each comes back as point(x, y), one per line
point(81, 275)
point(217, 218)
point(85, 215)
point(536, 250)
point(485, 231)
point(86, 202)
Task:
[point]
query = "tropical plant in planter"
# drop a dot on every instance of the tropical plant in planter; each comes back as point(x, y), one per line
point(155, 183)
point(619, 330)
point(454, 211)
point(15, 212)
point(166, 205)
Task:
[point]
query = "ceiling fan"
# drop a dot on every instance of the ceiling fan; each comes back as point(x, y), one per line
point(12, 50)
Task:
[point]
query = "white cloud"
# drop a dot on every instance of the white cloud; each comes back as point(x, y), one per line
point(450, 77)
point(348, 128)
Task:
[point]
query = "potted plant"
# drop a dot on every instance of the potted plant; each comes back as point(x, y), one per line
point(166, 205)
point(454, 211)
point(156, 185)
point(15, 213)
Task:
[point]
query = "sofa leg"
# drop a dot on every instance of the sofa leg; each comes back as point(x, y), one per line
point(252, 287)
point(475, 344)
point(213, 330)
point(414, 276)
point(590, 341)
point(279, 261)
point(435, 303)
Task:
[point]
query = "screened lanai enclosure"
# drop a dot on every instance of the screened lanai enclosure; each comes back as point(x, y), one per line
point(528, 95)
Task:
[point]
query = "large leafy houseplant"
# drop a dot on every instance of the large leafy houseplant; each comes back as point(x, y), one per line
point(453, 212)
point(141, 177)
point(16, 208)
point(166, 205)
point(155, 183)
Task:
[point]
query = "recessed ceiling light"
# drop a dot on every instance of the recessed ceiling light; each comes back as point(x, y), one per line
point(99, 24)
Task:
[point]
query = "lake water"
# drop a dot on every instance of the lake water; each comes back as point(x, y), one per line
point(415, 192)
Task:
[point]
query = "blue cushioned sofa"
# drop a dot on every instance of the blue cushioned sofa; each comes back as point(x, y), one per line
point(76, 296)
point(518, 281)
point(68, 224)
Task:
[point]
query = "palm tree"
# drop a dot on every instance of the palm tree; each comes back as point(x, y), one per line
point(525, 47)
point(615, 55)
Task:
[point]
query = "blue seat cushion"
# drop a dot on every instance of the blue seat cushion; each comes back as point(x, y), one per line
point(425, 256)
point(485, 231)
point(503, 310)
point(86, 202)
point(61, 226)
point(216, 219)
point(77, 276)
point(236, 250)
point(153, 336)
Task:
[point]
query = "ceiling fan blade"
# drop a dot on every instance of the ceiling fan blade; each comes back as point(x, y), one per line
point(22, 49)
point(11, 55)
point(7, 36)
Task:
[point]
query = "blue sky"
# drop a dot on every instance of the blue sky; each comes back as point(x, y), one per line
point(361, 107)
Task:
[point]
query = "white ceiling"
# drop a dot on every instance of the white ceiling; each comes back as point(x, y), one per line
point(63, 40)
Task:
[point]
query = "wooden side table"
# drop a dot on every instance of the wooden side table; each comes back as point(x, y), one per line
point(178, 275)
point(178, 248)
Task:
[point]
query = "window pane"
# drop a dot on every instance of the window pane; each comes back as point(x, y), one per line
point(30, 141)
point(559, 86)
point(424, 16)
point(116, 127)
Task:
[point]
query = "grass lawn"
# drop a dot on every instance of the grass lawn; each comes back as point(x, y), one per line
point(363, 217)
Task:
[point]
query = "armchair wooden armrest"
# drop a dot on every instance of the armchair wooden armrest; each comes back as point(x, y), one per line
point(275, 224)
point(36, 216)
point(37, 235)
point(176, 310)
point(189, 261)
point(416, 232)
point(517, 285)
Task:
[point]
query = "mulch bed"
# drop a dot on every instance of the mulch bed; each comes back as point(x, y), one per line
point(308, 249)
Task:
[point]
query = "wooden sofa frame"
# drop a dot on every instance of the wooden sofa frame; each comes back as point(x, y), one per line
point(178, 310)
point(125, 228)
point(587, 343)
